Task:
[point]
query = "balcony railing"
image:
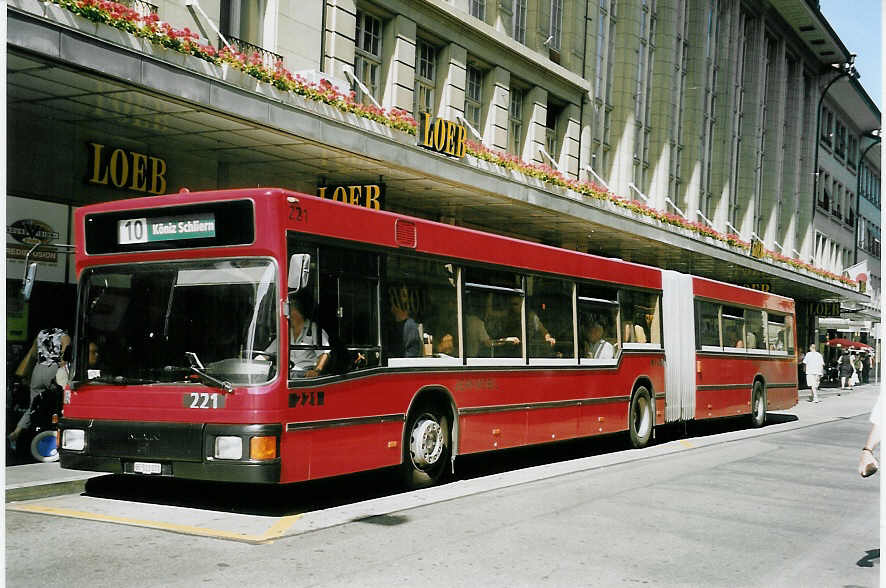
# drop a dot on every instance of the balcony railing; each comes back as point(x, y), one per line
point(268, 58)
point(141, 7)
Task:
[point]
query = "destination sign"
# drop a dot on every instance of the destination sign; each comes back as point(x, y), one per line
point(165, 228)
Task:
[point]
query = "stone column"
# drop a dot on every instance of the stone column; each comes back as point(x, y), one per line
point(398, 63)
point(497, 85)
point(536, 105)
point(571, 125)
point(341, 29)
point(451, 64)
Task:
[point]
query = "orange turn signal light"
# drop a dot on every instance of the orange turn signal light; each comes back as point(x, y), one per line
point(263, 448)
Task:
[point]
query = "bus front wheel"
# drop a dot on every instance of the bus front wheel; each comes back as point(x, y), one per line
point(641, 418)
point(427, 448)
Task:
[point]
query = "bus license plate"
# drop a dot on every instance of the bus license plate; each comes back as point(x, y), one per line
point(143, 467)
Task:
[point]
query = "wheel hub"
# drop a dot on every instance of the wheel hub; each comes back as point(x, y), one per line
point(426, 442)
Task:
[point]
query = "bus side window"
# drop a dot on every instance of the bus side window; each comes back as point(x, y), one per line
point(753, 324)
point(708, 314)
point(733, 327)
point(419, 308)
point(598, 321)
point(640, 317)
point(343, 290)
point(549, 327)
point(777, 332)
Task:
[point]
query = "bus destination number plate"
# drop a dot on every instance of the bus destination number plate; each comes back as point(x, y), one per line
point(146, 467)
point(166, 228)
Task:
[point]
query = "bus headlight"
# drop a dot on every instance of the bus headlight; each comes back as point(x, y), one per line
point(228, 447)
point(74, 439)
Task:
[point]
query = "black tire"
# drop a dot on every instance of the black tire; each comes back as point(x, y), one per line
point(426, 447)
point(43, 446)
point(758, 405)
point(641, 418)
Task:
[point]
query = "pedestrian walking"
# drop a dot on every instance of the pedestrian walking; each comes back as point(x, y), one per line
point(846, 369)
point(867, 464)
point(814, 363)
point(46, 356)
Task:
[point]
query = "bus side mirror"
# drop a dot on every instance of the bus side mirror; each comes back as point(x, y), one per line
point(299, 271)
point(28, 281)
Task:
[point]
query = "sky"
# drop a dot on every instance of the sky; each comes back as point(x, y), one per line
point(858, 24)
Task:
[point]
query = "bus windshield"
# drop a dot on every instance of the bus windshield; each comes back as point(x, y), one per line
point(139, 321)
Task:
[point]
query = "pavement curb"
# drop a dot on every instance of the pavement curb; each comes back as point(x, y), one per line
point(33, 491)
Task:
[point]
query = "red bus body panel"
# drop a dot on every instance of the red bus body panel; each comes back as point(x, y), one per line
point(497, 407)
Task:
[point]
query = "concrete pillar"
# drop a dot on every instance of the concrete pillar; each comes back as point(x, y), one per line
point(497, 86)
point(451, 63)
point(771, 196)
point(535, 104)
point(398, 57)
point(571, 126)
point(340, 32)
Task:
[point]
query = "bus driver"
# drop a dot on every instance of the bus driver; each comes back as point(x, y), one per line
point(304, 362)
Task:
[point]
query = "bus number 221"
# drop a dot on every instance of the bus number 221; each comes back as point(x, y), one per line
point(204, 400)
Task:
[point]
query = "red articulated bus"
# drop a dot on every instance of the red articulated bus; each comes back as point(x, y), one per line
point(262, 335)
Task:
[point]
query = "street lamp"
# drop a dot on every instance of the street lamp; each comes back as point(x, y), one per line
point(844, 70)
point(875, 135)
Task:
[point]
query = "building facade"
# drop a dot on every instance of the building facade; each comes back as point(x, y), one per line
point(701, 113)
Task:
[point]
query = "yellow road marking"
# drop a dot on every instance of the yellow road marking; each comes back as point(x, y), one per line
point(275, 532)
point(687, 444)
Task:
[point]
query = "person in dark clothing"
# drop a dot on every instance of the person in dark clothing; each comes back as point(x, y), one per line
point(405, 340)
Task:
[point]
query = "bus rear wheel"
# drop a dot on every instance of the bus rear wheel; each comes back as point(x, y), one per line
point(641, 418)
point(758, 405)
point(427, 448)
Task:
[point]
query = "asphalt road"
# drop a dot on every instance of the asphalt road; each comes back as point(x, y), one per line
point(778, 506)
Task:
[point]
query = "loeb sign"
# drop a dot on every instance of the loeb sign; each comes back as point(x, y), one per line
point(443, 136)
point(126, 169)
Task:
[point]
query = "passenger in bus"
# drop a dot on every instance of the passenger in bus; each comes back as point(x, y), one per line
point(477, 340)
point(596, 347)
point(509, 321)
point(404, 340)
point(304, 362)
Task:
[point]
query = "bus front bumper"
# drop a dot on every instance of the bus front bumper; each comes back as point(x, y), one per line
point(179, 450)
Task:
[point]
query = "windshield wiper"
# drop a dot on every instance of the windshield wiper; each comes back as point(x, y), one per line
point(120, 380)
point(197, 368)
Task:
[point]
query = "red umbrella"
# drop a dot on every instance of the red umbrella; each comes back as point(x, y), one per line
point(848, 344)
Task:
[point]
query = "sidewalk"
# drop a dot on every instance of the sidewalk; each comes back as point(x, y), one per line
point(39, 480)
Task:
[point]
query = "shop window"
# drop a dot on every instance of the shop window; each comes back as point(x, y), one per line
point(552, 139)
point(556, 29)
point(425, 84)
point(515, 121)
point(474, 97)
point(243, 24)
point(477, 9)
point(367, 56)
point(827, 122)
point(520, 21)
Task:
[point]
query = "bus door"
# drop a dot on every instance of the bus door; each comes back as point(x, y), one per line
point(678, 314)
